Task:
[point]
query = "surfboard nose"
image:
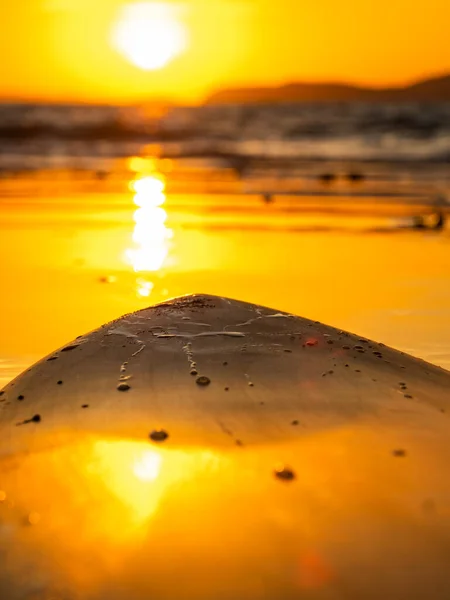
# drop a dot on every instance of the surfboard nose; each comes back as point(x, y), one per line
point(211, 448)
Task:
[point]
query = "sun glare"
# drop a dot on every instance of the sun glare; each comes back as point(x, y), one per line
point(151, 237)
point(149, 34)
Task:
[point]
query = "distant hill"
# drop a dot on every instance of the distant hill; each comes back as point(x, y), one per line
point(436, 89)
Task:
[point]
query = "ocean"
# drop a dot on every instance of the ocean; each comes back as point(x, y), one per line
point(65, 135)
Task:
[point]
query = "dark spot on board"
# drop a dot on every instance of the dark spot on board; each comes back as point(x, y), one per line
point(203, 381)
point(35, 419)
point(159, 435)
point(284, 473)
point(225, 364)
point(239, 443)
point(294, 423)
point(52, 358)
point(21, 397)
point(443, 410)
point(85, 406)
point(358, 348)
point(429, 506)
point(226, 430)
point(123, 387)
point(399, 453)
point(59, 382)
point(69, 348)
point(287, 350)
point(346, 365)
point(357, 370)
point(408, 396)
point(227, 389)
point(193, 372)
point(330, 342)
point(1, 393)
point(361, 351)
point(262, 403)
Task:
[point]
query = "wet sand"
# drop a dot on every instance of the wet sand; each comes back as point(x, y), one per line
point(72, 262)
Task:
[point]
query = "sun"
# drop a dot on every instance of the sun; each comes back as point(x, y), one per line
point(149, 34)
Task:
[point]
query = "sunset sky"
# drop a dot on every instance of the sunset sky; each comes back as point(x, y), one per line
point(68, 49)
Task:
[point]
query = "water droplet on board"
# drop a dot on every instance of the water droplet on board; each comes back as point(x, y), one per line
point(203, 381)
point(34, 518)
point(159, 435)
point(123, 387)
point(399, 453)
point(285, 473)
point(35, 419)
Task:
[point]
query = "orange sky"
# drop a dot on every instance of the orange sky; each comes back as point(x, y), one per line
point(62, 50)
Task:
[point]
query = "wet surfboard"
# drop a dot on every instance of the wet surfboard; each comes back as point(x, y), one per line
point(212, 449)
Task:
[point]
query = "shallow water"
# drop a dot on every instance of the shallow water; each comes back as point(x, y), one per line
point(71, 261)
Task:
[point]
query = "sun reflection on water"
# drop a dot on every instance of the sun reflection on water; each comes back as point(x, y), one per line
point(151, 236)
